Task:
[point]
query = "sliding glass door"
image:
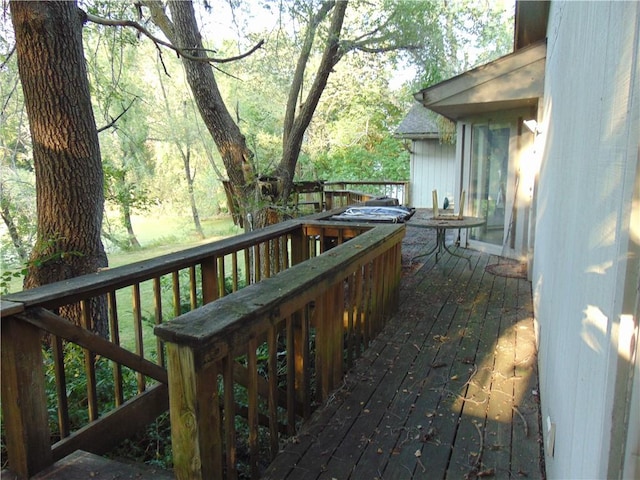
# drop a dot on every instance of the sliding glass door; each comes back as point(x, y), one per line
point(488, 174)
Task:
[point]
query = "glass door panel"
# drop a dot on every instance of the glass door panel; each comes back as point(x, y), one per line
point(488, 180)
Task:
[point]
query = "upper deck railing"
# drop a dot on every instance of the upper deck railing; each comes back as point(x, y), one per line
point(277, 346)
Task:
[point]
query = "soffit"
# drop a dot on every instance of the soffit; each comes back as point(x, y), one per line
point(513, 81)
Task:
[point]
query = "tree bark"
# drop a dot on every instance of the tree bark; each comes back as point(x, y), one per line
point(66, 152)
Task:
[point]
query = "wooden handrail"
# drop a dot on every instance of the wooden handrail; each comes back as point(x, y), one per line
point(75, 289)
point(345, 292)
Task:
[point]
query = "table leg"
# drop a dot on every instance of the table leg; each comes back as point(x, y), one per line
point(467, 258)
point(440, 246)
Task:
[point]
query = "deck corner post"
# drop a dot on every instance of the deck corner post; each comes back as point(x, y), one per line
point(195, 416)
point(24, 401)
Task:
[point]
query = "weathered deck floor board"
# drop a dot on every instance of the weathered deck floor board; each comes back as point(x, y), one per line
point(449, 390)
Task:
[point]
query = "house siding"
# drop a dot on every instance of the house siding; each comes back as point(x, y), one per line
point(584, 230)
point(432, 168)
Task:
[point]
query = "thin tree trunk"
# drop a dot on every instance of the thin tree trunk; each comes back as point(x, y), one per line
point(126, 219)
point(186, 158)
point(10, 222)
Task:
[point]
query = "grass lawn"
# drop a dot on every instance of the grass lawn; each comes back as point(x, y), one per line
point(162, 235)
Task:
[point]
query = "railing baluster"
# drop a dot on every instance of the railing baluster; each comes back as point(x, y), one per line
point(348, 313)
point(157, 309)
point(252, 404)
point(323, 339)
point(247, 267)
point(303, 359)
point(210, 287)
point(229, 417)
point(337, 337)
point(358, 317)
point(137, 328)
point(57, 350)
point(222, 291)
point(268, 257)
point(257, 261)
point(272, 343)
point(277, 260)
point(89, 365)
point(193, 288)
point(114, 334)
point(234, 272)
point(175, 283)
point(366, 305)
point(291, 376)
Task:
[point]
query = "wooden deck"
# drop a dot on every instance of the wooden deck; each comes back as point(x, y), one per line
point(449, 390)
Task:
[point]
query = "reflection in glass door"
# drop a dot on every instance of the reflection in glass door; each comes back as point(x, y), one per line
point(488, 180)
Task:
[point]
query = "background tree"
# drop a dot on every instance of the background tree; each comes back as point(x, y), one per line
point(182, 30)
point(349, 135)
point(66, 152)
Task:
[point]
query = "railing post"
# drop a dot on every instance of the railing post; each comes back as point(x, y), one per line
point(24, 401)
point(194, 407)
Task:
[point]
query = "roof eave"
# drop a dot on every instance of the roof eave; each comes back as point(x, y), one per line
point(515, 80)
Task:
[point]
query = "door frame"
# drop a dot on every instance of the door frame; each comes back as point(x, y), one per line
point(516, 222)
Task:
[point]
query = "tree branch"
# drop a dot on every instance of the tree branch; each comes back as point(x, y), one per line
point(180, 51)
point(114, 120)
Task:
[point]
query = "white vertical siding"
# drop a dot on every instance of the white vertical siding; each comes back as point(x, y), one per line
point(432, 168)
point(592, 132)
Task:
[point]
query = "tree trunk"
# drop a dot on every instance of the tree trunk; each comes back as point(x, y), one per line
point(66, 152)
point(231, 143)
point(186, 158)
point(182, 30)
point(126, 220)
point(296, 126)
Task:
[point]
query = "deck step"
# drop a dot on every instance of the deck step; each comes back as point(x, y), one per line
point(84, 465)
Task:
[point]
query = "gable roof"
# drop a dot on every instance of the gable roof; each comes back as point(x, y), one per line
point(512, 81)
point(419, 122)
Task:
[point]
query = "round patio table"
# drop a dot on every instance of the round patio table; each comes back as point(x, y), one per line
point(441, 225)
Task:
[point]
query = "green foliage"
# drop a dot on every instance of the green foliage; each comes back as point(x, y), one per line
point(17, 179)
point(350, 135)
point(46, 251)
point(387, 162)
point(8, 279)
point(152, 446)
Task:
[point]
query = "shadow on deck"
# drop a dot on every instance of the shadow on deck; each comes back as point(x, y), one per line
point(448, 390)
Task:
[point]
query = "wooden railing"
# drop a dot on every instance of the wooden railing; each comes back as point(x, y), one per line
point(286, 341)
point(342, 193)
point(147, 294)
point(316, 196)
